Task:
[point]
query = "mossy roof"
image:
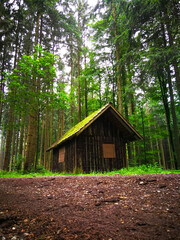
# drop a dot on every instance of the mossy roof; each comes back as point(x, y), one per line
point(81, 126)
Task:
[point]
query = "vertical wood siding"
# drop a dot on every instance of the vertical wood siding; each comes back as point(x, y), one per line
point(89, 148)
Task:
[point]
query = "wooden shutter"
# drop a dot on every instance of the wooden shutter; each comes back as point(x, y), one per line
point(109, 151)
point(61, 154)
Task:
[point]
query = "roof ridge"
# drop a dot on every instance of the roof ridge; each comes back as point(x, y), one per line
point(81, 126)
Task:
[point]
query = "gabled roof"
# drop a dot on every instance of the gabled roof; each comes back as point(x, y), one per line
point(81, 126)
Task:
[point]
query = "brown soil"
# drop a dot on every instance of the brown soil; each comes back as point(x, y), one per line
point(90, 207)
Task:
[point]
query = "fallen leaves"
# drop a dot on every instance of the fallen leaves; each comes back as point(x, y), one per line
point(89, 208)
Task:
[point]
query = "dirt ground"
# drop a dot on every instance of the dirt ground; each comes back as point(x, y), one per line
point(90, 207)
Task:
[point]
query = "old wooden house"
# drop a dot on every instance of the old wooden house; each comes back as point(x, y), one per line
point(98, 143)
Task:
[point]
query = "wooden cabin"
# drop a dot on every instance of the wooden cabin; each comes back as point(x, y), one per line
point(98, 143)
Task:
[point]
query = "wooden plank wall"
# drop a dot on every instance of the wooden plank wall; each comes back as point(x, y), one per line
point(89, 146)
point(89, 149)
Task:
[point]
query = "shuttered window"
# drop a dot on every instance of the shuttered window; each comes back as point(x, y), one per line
point(61, 154)
point(109, 151)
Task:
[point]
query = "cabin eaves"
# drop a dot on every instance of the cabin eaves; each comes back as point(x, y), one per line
point(81, 126)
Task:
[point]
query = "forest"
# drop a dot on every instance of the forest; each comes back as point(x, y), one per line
point(61, 60)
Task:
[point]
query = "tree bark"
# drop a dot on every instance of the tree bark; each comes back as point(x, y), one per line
point(9, 134)
point(31, 141)
point(118, 69)
point(175, 124)
point(42, 143)
point(33, 116)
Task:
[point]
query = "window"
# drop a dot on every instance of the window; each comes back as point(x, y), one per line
point(109, 151)
point(61, 154)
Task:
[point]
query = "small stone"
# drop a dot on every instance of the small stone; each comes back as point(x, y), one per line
point(142, 183)
point(14, 238)
point(49, 196)
point(26, 234)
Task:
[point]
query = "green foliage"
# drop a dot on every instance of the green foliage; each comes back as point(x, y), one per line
point(143, 169)
point(35, 172)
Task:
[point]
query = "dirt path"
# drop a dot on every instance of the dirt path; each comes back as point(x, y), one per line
point(91, 207)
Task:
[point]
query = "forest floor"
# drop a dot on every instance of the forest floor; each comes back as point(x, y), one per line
point(90, 207)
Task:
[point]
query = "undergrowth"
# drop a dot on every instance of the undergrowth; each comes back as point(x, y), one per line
point(40, 171)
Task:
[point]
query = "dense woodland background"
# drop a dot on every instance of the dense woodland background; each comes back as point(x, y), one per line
point(62, 60)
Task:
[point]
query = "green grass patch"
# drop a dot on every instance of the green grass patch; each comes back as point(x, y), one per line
point(40, 172)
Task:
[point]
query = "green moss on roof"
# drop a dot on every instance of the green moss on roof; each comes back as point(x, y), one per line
point(76, 128)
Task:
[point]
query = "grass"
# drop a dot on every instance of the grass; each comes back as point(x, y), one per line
point(40, 171)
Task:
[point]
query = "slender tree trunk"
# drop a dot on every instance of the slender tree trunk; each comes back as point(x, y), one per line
point(50, 140)
point(171, 43)
point(166, 108)
point(118, 69)
point(46, 139)
point(72, 82)
point(2, 83)
point(62, 122)
point(79, 88)
point(79, 70)
point(85, 93)
point(9, 134)
point(21, 136)
point(159, 157)
point(175, 124)
point(42, 143)
point(171, 155)
point(59, 124)
point(12, 150)
point(2, 152)
point(100, 95)
point(162, 154)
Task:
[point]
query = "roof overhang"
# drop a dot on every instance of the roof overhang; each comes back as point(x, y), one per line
point(128, 131)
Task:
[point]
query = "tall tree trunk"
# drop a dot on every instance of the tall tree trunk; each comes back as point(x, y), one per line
point(175, 124)
point(162, 154)
point(59, 124)
point(50, 140)
point(46, 139)
point(42, 143)
point(21, 138)
point(118, 56)
point(12, 150)
point(9, 134)
point(171, 43)
point(166, 108)
point(2, 83)
point(31, 140)
point(85, 92)
point(33, 116)
point(79, 87)
point(79, 70)
point(62, 122)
